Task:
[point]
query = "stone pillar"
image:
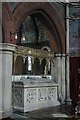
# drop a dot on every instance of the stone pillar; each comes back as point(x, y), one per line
point(6, 57)
point(63, 92)
point(58, 65)
point(68, 99)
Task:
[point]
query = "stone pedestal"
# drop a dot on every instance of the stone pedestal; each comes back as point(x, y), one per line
point(35, 93)
point(6, 55)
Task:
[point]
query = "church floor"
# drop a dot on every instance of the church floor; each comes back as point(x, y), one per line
point(64, 112)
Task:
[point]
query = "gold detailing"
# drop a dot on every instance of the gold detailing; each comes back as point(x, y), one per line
point(26, 51)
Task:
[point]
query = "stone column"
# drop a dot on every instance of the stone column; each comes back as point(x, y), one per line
point(63, 78)
point(58, 65)
point(68, 99)
point(6, 57)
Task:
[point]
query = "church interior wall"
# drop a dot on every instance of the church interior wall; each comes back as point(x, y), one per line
point(13, 15)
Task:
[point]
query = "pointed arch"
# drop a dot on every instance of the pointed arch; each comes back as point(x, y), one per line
point(48, 15)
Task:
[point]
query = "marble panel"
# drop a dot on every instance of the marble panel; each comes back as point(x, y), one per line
point(42, 94)
point(52, 93)
point(18, 97)
point(31, 95)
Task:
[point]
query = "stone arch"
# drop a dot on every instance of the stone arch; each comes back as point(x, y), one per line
point(55, 27)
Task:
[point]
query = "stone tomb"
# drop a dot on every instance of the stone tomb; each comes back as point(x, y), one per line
point(33, 93)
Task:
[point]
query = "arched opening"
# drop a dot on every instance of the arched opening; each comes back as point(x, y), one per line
point(31, 37)
point(51, 21)
point(49, 28)
point(37, 31)
point(28, 23)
